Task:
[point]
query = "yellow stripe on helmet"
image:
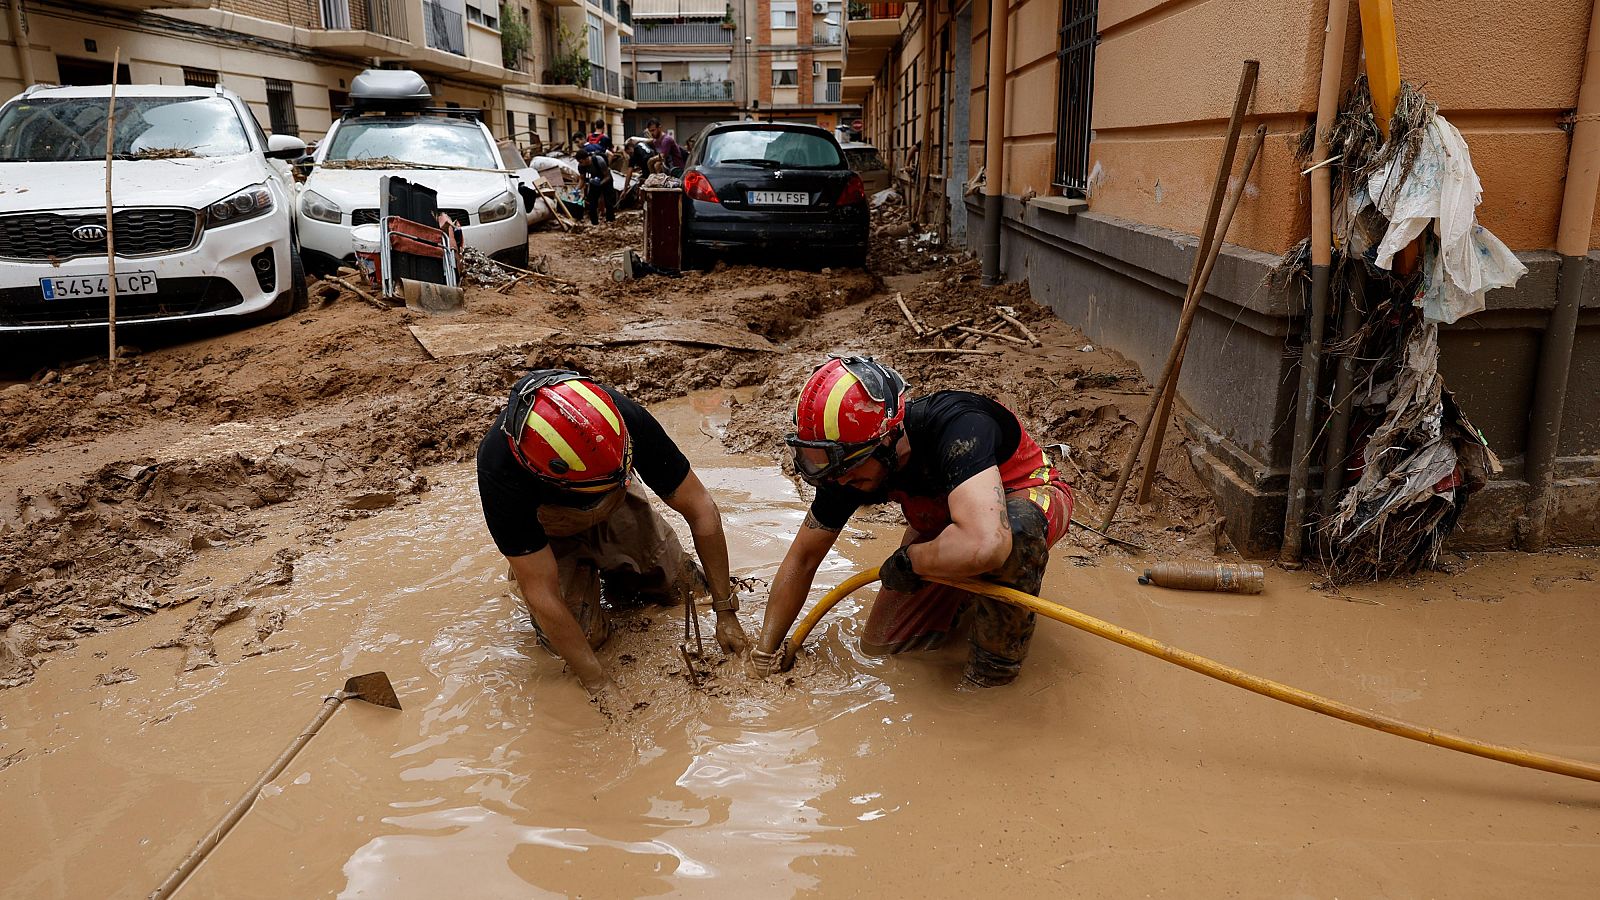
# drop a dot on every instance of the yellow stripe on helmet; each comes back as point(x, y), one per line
point(600, 405)
point(555, 440)
point(830, 410)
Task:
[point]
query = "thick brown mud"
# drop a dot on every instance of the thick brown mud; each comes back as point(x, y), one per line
point(1101, 772)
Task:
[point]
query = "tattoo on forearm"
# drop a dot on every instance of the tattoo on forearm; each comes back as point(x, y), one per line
point(811, 522)
point(1005, 518)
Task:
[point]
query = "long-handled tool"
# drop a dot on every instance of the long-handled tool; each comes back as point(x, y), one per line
point(374, 688)
point(1254, 683)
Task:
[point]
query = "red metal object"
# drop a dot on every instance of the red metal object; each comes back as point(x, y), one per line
point(663, 227)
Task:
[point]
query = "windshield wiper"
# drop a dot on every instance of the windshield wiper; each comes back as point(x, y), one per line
point(758, 163)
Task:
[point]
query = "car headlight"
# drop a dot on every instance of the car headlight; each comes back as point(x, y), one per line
point(253, 201)
point(320, 208)
point(503, 206)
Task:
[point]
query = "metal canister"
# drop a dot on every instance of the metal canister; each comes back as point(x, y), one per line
point(1234, 578)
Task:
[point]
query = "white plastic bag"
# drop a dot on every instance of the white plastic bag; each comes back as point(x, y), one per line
point(1442, 190)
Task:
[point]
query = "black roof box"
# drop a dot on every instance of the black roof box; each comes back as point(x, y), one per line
point(383, 89)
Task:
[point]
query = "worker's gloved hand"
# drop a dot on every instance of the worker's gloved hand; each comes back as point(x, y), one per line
point(730, 634)
point(763, 663)
point(896, 573)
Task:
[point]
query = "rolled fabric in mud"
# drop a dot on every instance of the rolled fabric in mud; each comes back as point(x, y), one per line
point(1233, 578)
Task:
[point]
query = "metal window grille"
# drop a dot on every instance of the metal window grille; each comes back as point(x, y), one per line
point(1075, 62)
point(280, 106)
point(199, 77)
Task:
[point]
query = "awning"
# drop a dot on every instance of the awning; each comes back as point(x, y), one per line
point(671, 9)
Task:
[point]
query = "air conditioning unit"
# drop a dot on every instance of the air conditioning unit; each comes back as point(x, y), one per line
point(819, 7)
point(816, 68)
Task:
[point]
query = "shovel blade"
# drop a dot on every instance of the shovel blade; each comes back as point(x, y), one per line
point(430, 298)
point(374, 688)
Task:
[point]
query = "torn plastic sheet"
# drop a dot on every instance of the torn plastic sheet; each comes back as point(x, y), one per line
point(1439, 187)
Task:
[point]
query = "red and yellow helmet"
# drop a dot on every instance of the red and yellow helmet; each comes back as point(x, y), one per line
point(568, 432)
point(846, 407)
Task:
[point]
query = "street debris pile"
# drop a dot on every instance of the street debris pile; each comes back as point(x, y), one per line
point(1414, 456)
point(899, 247)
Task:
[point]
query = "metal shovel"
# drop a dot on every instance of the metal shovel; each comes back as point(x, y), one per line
point(374, 688)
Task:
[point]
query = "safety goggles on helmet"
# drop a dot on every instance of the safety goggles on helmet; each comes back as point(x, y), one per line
point(819, 461)
point(516, 418)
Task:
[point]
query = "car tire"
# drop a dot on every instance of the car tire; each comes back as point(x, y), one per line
point(514, 256)
point(855, 258)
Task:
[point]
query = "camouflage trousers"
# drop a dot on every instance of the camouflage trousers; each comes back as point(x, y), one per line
point(998, 633)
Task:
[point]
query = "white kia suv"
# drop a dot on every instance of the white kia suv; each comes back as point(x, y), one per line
point(203, 200)
point(390, 130)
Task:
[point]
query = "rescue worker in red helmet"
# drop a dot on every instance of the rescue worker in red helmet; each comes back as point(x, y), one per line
point(556, 479)
point(979, 497)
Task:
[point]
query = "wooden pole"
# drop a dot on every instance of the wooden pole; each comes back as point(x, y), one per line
point(111, 229)
point(1219, 189)
point(1169, 374)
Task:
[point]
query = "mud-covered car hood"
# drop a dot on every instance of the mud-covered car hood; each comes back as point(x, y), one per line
point(192, 183)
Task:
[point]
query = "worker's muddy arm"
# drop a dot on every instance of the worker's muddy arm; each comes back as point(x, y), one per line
point(541, 590)
point(790, 587)
point(699, 509)
point(978, 538)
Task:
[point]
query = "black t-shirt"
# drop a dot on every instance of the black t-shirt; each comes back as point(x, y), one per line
point(511, 495)
point(954, 435)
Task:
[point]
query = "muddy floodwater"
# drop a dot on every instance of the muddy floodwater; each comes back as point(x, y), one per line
point(1101, 772)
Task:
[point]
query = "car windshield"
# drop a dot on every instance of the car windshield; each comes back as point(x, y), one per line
point(67, 129)
point(429, 142)
point(772, 149)
point(864, 160)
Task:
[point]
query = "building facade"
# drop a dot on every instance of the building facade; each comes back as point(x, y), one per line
point(533, 67)
point(1114, 117)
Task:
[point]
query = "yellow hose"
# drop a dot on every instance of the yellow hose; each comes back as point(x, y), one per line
point(1303, 699)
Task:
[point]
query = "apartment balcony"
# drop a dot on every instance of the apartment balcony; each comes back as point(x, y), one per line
point(826, 35)
point(653, 31)
point(364, 28)
point(684, 91)
point(855, 88)
point(625, 12)
point(444, 29)
point(602, 89)
point(828, 91)
point(871, 32)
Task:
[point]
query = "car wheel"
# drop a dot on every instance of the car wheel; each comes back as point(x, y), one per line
point(514, 256)
point(855, 258)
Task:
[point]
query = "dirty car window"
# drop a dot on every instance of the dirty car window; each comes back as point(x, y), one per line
point(864, 160)
point(425, 141)
point(791, 149)
point(74, 129)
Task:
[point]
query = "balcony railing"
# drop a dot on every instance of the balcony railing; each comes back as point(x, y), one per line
point(602, 4)
point(828, 91)
point(627, 87)
point(444, 29)
point(825, 35)
point(613, 83)
point(684, 91)
point(650, 31)
point(385, 17)
point(860, 11)
point(597, 79)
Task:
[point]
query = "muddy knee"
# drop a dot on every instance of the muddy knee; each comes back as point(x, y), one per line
point(1030, 548)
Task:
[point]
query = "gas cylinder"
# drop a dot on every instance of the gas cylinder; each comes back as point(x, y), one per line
point(1235, 578)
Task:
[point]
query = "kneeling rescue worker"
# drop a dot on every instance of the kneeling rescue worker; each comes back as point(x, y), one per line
point(978, 494)
point(555, 476)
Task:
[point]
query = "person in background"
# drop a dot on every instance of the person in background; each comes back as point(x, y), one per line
point(599, 137)
point(672, 155)
point(598, 188)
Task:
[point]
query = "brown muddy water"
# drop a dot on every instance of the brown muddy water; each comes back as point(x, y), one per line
point(1101, 772)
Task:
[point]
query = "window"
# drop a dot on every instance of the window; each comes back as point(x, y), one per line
point(488, 20)
point(511, 124)
point(280, 106)
point(597, 41)
point(336, 15)
point(533, 127)
point(199, 77)
point(1075, 63)
point(784, 14)
point(785, 74)
point(550, 126)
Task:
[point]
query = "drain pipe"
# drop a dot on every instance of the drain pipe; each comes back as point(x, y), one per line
point(994, 150)
point(19, 42)
point(1321, 264)
point(1555, 353)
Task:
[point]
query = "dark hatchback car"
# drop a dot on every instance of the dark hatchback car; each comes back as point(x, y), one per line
point(773, 186)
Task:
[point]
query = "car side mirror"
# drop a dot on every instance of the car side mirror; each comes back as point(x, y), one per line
point(285, 146)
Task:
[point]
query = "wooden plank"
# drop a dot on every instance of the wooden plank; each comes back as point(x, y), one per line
point(683, 331)
point(477, 337)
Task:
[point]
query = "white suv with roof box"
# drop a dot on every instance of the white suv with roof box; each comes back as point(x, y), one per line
point(390, 130)
point(204, 209)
